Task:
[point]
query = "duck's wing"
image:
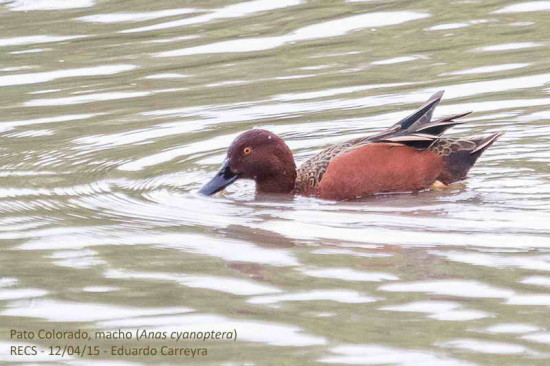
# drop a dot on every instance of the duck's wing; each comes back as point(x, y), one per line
point(420, 117)
point(423, 135)
point(439, 127)
point(423, 115)
point(420, 136)
point(415, 127)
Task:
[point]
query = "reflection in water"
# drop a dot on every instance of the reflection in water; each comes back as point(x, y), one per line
point(112, 118)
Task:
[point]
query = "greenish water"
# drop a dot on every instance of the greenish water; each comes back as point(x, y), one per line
point(113, 113)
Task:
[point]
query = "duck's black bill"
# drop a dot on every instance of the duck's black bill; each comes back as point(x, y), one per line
point(221, 180)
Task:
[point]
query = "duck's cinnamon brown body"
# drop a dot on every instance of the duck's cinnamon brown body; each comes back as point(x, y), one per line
point(375, 168)
point(409, 156)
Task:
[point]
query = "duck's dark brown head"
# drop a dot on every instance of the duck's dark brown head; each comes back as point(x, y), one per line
point(259, 155)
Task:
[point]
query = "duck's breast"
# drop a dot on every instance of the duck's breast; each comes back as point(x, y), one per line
point(378, 167)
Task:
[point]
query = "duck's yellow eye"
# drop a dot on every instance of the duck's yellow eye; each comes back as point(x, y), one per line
point(247, 150)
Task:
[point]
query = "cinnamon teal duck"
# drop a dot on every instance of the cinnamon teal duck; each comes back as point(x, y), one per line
point(409, 156)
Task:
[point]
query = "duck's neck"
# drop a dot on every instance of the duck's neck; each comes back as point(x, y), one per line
point(281, 181)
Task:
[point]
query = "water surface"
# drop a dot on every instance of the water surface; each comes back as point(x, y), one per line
point(112, 114)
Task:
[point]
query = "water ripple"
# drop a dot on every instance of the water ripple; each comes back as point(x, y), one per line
point(332, 28)
point(105, 142)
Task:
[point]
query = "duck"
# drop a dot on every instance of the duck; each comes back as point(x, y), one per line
point(412, 155)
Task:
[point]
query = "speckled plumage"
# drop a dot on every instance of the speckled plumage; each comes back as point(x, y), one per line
point(309, 174)
point(447, 146)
